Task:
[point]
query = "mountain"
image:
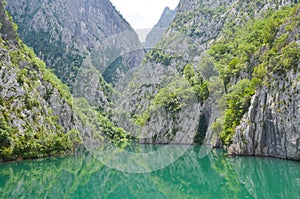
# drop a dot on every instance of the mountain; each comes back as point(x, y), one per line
point(231, 67)
point(88, 45)
point(69, 35)
point(38, 115)
point(225, 73)
point(158, 30)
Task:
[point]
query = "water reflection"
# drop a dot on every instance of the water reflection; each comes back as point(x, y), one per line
point(193, 175)
point(268, 177)
point(140, 158)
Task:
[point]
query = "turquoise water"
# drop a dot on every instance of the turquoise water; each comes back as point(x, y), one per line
point(193, 175)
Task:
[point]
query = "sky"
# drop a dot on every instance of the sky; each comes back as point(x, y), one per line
point(143, 14)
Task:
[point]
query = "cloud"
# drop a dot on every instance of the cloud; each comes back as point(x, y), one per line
point(143, 14)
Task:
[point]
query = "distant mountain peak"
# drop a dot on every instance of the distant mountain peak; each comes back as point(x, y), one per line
point(158, 30)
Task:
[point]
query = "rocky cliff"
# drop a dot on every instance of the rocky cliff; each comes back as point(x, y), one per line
point(155, 35)
point(271, 126)
point(69, 35)
point(225, 73)
point(36, 117)
point(214, 58)
point(167, 94)
point(39, 116)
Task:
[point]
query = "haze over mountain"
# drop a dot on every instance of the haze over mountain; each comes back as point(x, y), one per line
point(155, 35)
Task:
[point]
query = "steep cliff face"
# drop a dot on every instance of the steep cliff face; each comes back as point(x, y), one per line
point(243, 14)
point(218, 53)
point(271, 126)
point(36, 116)
point(225, 73)
point(267, 124)
point(69, 35)
point(158, 30)
point(167, 94)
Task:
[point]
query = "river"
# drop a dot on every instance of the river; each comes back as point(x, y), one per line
point(196, 173)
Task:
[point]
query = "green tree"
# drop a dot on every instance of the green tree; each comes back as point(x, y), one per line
point(189, 72)
point(238, 100)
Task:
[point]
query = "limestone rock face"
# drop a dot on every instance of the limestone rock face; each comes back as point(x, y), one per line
point(157, 102)
point(38, 115)
point(235, 15)
point(162, 69)
point(158, 30)
point(28, 102)
point(69, 35)
point(271, 126)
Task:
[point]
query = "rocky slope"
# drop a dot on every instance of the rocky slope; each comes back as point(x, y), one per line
point(69, 35)
point(211, 61)
point(36, 117)
point(226, 73)
point(160, 98)
point(155, 35)
point(271, 126)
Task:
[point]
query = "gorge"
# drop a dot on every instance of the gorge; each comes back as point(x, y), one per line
point(225, 74)
point(76, 80)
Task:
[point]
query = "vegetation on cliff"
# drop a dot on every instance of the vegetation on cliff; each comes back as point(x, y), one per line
point(206, 52)
point(36, 114)
point(28, 128)
point(226, 51)
point(258, 48)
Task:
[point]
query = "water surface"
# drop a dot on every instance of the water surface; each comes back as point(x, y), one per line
point(191, 176)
